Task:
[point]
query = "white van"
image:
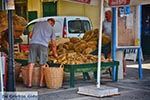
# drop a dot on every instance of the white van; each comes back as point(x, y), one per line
point(66, 26)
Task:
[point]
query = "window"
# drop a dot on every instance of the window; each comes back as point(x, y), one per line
point(21, 8)
point(79, 26)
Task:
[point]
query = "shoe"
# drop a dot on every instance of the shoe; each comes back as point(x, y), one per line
point(42, 86)
point(106, 72)
point(28, 86)
point(124, 74)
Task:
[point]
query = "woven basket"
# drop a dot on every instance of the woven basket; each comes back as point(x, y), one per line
point(35, 76)
point(53, 76)
point(17, 70)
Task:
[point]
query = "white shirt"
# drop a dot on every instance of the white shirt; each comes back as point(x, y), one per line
point(107, 28)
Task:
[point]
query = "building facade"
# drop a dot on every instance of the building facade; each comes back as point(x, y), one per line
point(40, 8)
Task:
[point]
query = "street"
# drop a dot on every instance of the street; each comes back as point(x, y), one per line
point(130, 88)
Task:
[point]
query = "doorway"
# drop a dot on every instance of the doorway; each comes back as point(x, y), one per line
point(145, 29)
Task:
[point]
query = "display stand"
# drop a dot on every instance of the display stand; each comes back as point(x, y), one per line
point(90, 67)
point(125, 36)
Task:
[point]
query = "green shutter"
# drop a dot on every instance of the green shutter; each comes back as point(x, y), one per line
point(49, 9)
point(32, 15)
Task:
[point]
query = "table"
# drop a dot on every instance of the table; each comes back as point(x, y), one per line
point(22, 62)
point(88, 68)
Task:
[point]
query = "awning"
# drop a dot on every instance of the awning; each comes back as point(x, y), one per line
point(89, 2)
point(116, 3)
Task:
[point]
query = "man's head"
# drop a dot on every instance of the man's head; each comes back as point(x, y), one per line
point(108, 15)
point(51, 21)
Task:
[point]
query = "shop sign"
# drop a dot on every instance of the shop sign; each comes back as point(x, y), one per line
point(118, 2)
point(10, 5)
point(48, 0)
point(138, 2)
point(83, 1)
point(90, 2)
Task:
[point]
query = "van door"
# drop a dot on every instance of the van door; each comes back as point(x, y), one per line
point(58, 27)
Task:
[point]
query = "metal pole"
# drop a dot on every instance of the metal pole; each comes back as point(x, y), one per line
point(139, 49)
point(10, 71)
point(99, 45)
point(114, 49)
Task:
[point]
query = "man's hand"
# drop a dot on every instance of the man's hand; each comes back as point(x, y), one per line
point(30, 35)
point(56, 55)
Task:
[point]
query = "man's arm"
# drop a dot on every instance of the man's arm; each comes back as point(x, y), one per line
point(54, 48)
point(30, 34)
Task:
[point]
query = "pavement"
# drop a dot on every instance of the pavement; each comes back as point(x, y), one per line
point(130, 88)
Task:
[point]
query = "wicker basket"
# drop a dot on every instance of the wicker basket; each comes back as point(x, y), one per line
point(17, 70)
point(53, 76)
point(35, 76)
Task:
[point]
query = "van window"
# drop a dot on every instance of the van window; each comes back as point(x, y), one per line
point(86, 26)
point(29, 28)
point(78, 26)
point(58, 28)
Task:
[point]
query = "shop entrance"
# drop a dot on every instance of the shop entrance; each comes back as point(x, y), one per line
point(146, 29)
